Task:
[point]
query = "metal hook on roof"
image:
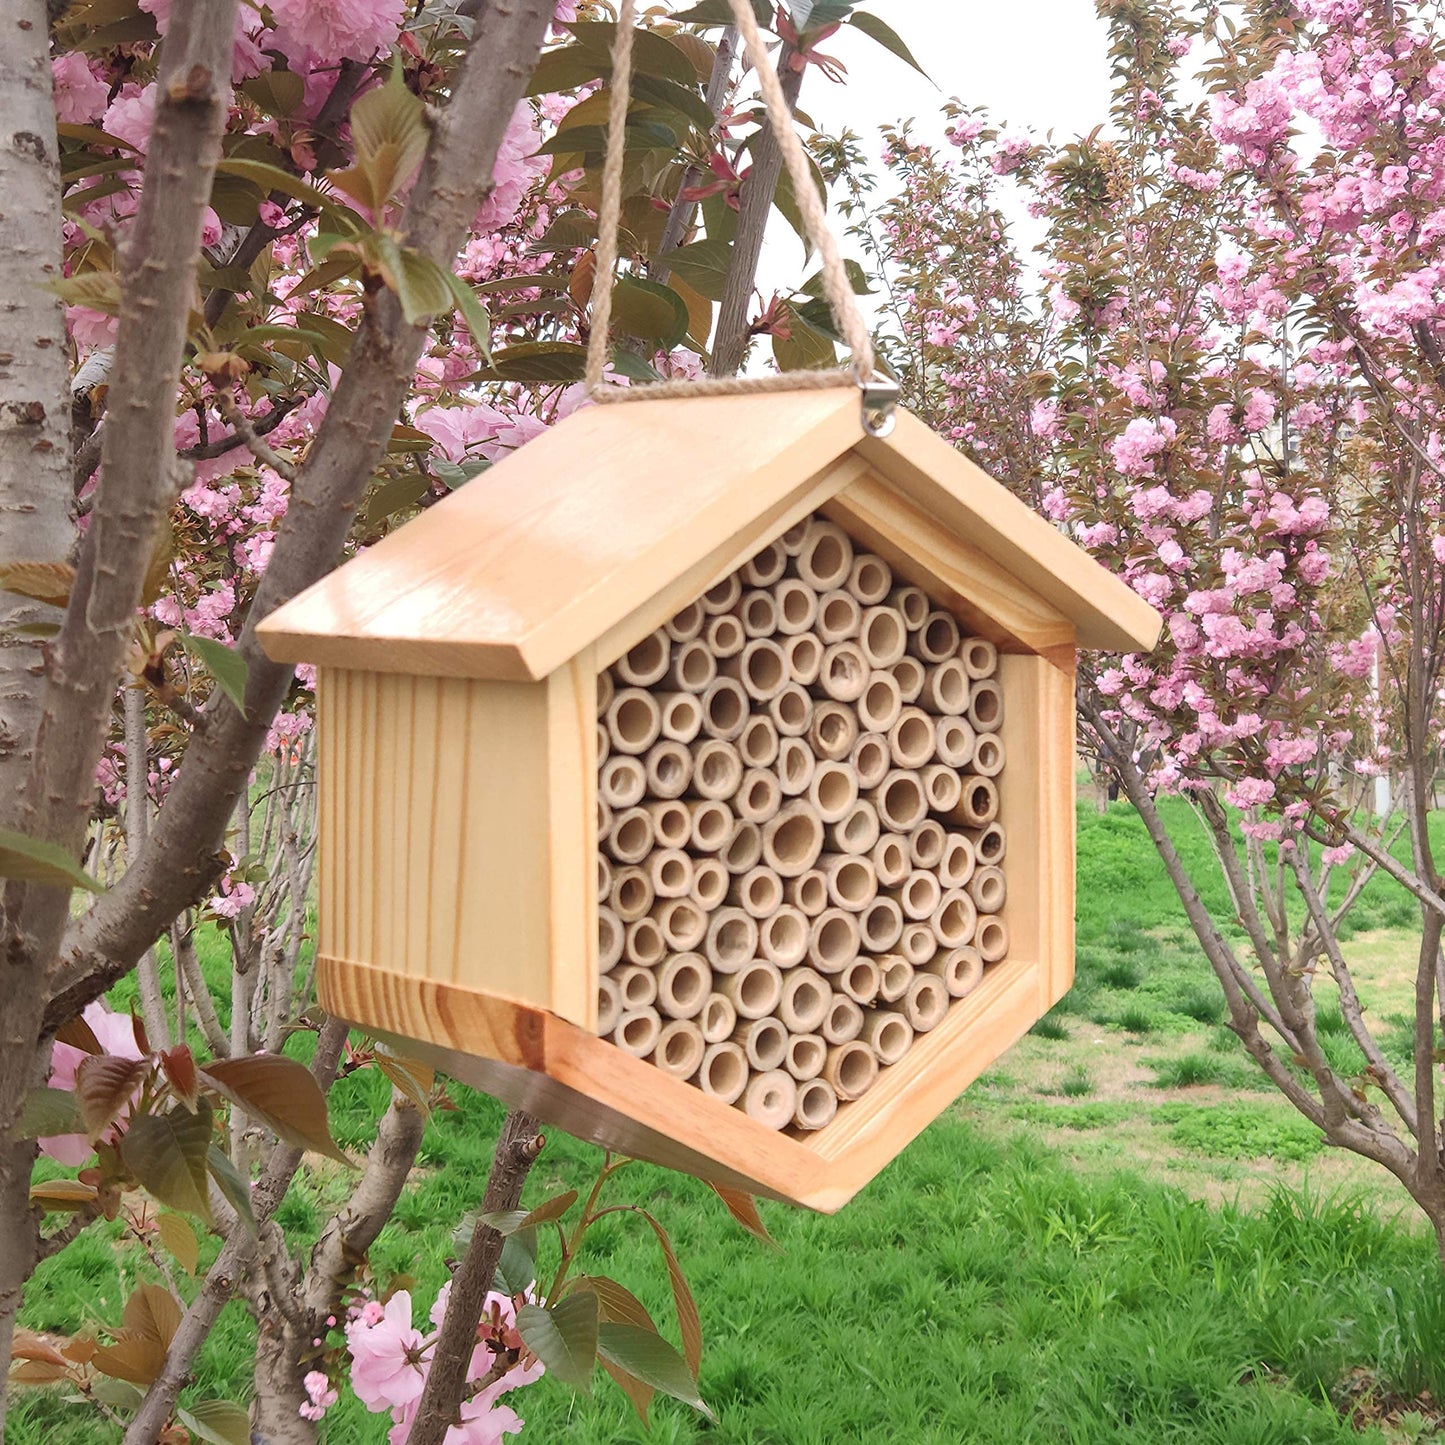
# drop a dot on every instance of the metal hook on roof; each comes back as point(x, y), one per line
point(879, 401)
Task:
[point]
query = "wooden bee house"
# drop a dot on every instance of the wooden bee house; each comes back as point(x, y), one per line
point(701, 779)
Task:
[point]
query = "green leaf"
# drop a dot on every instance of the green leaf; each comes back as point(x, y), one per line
point(517, 1268)
point(233, 1186)
point(505, 1221)
point(631, 365)
point(48, 1112)
point(649, 311)
point(719, 12)
point(118, 1394)
point(649, 1358)
point(389, 136)
point(569, 231)
point(95, 290)
point(704, 265)
point(224, 664)
point(538, 361)
point(167, 1155)
point(272, 178)
point(277, 93)
point(887, 37)
point(281, 1093)
point(652, 54)
point(472, 312)
point(550, 1209)
point(567, 68)
point(563, 1336)
point(178, 1237)
point(857, 279)
point(804, 350)
point(218, 1422)
point(31, 861)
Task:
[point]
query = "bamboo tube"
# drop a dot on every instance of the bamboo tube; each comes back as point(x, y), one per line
point(990, 842)
point(852, 881)
point(808, 892)
point(912, 740)
point(979, 804)
point(856, 831)
point(671, 871)
point(621, 782)
point(636, 1032)
point(634, 720)
point(844, 673)
point(895, 974)
point(758, 614)
point(839, 617)
point(879, 704)
point(606, 686)
point(900, 802)
point(680, 1048)
point(783, 936)
point(604, 743)
point(979, 658)
point(792, 540)
point(761, 667)
point(945, 688)
point(917, 943)
point(710, 825)
point(795, 766)
point(805, 1056)
point(709, 884)
point(961, 970)
point(795, 605)
point(919, 895)
point(793, 839)
point(604, 820)
point(754, 990)
point(988, 755)
point(937, 639)
point(805, 1000)
point(832, 791)
point(630, 840)
point(744, 849)
point(804, 654)
point(833, 732)
point(817, 1104)
point(954, 920)
point(985, 706)
point(825, 559)
point(682, 922)
point(631, 894)
point(908, 673)
point(764, 1041)
point(609, 938)
point(770, 1099)
point(758, 892)
point(668, 766)
point(791, 710)
point(759, 797)
point(871, 579)
point(723, 1072)
point(716, 769)
point(851, 1068)
point(731, 940)
point(724, 709)
point(767, 567)
point(883, 636)
point(888, 1034)
point(692, 668)
point(609, 1005)
point(646, 663)
point(880, 925)
point(604, 875)
point(681, 717)
point(683, 984)
point(843, 1021)
point(891, 859)
point(956, 866)
point(955, 739)
point(758, 742)
point(860, 980)
point(991, 937)
point(686, 624)
point(926, 844)
point(717, 1019)
point(722, 596)
point(913, 603)
point(637, 985)
point(989, 888)
point(871, 760)
point(643, 942)
point(724, 636)
point(833, 941)
point(942, 786)
point(926, 1002)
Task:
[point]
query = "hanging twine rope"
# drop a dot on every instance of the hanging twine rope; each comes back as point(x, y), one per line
point(836, 286)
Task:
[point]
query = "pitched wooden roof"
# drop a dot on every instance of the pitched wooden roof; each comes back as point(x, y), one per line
point(522, 568)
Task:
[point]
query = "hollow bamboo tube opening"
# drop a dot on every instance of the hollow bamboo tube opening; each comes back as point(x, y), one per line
point(900, 802)
point(724, 636)
point(634, 720)
point(631, 894)
point(795, 766)
point(945, 688)
point(955, 740)
point(913, 603)
point(895, 973)
point(839, 616)
point(710, 825)
point(961, 970)
point(851, 1068)
point(817, 1105)
point(908, 674)
point(942, 786)
point(723, 1072)
point(926, 1002)
point(979, 804)
point(793, 840)
point(937, 639)
point(764, 1041)
point(912, 739)
point(832, 791)
point(917, 943)
point(852, 881)
point(795, 606)
point(757, 892)
point(681, 716)
point(722, 596)
point(856, 831)
point(709, 884)
point(843, 1021)
point(889, 1035)
point(844, 673)
point(833, 732)
point(985, 706)
point(979, 658)
point(724, 709)
point(718, 1019)
point(764, 569)
point(880, 703)
point(891, 859)
point(692, 668)
point(989, 888)
point(683, 985)
point(646, 663)
point(622, 782)
point(686, 624)
point(731, 940)
point(682, 922)
point(883, 636)
point(637, 985)
point(643, 942)
point(805, 1001)
point(631, 838)
point(759, 796)
point(825, 559)
point(636, 1032)
point(806, 1054)
point(680, 1048)
point(754, 989)
point(791, 710)
point(758, 742)
point(926, 844)
point(954, 920)
point(988, 755)
point(609, 1005)
point(758, 614)
point(871, 760)
point(605, 689)
point(744, 849)
point(990, 842)
point(792, 540)
point(770, 1099)
point(716, 770)
point(871, 579)
point(880, 925)
point(860, 980)
point(671, 870)
point(833, 941)
point(808, 892)
point(991, 938)
point(959, 859)
point(669, 769)
point(609, 939)
point(805, 658)
point(919, 895)
point(783, 936)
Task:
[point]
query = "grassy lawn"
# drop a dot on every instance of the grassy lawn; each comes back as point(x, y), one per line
point(1117, 1236)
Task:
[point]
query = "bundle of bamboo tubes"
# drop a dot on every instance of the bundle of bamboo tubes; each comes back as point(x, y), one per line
point(800, 863)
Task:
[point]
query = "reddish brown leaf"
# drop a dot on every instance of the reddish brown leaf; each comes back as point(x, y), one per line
point(132, 1358)
point(40, 581)
point(688, 1323)
point(38, 1372)
point(636, 1391)
point(58, 1194)
point(151, 1313)
point(79, 1035)
point(30, 1346)
point(142, 1039)
point(617, 1304)
point(584, 274)
point(279, 1092)
point(104, 1085)
point(744, 1208)
point(179, 1066)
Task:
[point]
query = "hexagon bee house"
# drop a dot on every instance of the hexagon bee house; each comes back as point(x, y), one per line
point(701, 780)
